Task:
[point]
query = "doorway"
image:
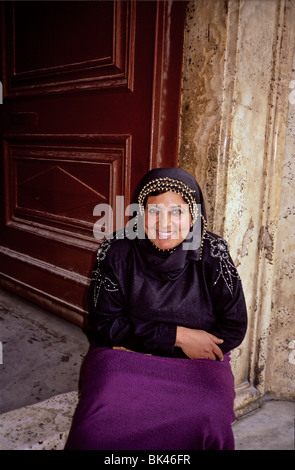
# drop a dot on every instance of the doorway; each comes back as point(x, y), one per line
point(91, 102)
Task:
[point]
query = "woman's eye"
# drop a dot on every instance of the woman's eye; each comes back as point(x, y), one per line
point(176, 212)
point(153, 211)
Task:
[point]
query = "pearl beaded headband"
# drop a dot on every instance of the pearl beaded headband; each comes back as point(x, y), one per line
point(169, 184)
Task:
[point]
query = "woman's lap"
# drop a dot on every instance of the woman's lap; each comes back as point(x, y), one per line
point(130, 401)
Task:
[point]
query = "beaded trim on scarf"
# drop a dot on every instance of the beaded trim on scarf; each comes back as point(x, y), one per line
point(203, 235)
point(161, 250)
point(169, 184)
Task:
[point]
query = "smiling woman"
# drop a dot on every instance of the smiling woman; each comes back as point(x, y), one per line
point(167, 220)
point(164, 313)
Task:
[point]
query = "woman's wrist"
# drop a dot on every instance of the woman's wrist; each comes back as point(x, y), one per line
point(180, 331)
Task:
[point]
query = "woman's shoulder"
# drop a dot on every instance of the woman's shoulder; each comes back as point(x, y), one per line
point(218, 261)
point(215, 246)
point(115, 248)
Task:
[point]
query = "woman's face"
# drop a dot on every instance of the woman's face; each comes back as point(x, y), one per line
point(167, 220)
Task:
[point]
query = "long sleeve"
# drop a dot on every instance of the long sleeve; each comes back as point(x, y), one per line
point(108, 316)
point(227, 297)
point(231, 318)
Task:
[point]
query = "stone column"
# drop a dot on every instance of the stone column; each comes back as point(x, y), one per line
point(237, 69)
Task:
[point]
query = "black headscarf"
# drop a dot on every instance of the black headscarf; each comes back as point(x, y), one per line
point(170, 263)
point(185, 180)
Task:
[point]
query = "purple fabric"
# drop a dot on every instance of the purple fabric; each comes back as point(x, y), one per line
point(130, 401)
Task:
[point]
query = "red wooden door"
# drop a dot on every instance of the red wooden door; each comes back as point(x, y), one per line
point(91, 102)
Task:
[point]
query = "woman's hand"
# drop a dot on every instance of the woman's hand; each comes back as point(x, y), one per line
point(198, 344)
point(120, 348)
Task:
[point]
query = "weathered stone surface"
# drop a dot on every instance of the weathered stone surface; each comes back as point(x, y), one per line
point(237, 138)
point(43, 426)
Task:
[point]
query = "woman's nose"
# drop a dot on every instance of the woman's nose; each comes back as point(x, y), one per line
point(164, 220)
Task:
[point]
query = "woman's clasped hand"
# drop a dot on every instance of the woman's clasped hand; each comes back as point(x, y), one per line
point(198, 344)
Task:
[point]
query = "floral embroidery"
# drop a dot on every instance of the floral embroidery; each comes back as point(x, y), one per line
point(100, 279)
point(109, 285)
point(103, 249)
point(219, 249)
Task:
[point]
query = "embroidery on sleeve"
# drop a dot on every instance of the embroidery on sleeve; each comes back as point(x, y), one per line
point(227, 270)
point(109, 285)
point(100, 279)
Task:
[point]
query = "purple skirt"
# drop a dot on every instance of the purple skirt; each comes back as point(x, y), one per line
point(131, 401)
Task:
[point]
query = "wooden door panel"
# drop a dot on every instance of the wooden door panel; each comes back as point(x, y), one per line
point(69, 46)
point(91, 102)
point(54, 182)
point(62, 291)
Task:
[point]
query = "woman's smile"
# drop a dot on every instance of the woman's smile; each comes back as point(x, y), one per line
point(167, 219)
point(165, 235)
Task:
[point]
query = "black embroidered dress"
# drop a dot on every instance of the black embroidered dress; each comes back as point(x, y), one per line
point(139, 295)
point(139, 308)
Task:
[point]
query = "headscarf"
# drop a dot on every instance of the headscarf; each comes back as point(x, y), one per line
point(170, 263)
point(171, 179)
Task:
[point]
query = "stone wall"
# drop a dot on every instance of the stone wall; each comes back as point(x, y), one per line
point(237, 140)
point(280, 365)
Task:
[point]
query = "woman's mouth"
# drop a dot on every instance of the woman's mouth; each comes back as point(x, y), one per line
point(164, 235)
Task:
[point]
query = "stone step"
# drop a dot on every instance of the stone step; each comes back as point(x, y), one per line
point(42, 426)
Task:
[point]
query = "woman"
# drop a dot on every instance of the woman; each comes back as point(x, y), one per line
point(166, 308)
